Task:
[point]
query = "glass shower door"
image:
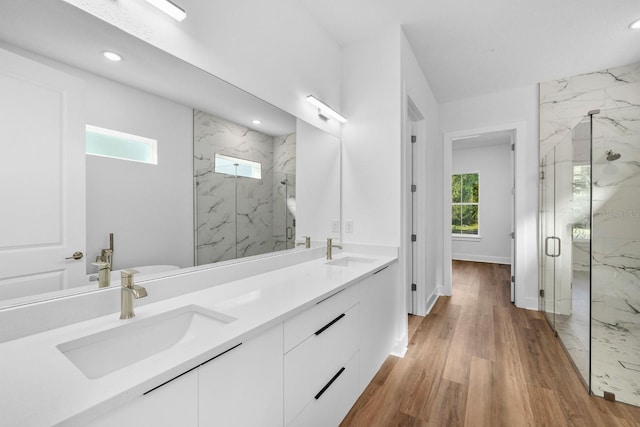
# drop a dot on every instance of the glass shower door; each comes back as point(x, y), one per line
point(547, 233)
point(565, 225)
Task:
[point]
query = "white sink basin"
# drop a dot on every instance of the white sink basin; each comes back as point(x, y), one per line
point(105, 352)
point(350, 261)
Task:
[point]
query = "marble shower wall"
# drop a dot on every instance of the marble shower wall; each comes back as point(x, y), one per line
point(615, 235)
point(235, 216)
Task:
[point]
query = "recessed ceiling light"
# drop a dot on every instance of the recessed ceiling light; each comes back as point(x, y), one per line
point(635, 25)
point(112, 56)
point(256, 122)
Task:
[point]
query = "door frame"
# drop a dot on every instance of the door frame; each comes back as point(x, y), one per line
point(519, 131)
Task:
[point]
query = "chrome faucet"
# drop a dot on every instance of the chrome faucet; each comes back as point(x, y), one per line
point(306, 243)
point(128, 293)
point(330, 246)
point(104, 274)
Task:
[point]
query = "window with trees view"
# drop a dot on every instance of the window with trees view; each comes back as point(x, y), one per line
point(464, 207)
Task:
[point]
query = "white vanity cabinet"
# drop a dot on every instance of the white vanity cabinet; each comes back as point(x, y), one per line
point(172, 404)
point(378, 320)
point(243, 387)
point(321, 361)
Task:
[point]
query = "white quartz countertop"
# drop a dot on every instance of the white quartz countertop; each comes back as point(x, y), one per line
point(40, 386)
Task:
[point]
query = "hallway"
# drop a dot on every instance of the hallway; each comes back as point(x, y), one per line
point(477, 360)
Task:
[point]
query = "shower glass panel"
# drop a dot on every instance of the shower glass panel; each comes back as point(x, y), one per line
point(547, 233)
point(615, 237)
point(284, 211)
point(565, 222)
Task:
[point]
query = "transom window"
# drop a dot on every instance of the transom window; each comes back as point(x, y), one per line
point(120, 145)
point(465, 189)
point(237, 167)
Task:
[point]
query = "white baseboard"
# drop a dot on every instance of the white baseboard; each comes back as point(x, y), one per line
point(529, 304)
point(481, 258)
point(400, 347)
point(433, 298)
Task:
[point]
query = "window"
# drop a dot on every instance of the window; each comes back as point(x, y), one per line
point(464, 207)
point(237, 167)
point(581, 226)
point(119, 145)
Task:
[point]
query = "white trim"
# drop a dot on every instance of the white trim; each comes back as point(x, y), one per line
point(435, 300)
point(519, 129)
point(466, 237)
point(482, 258)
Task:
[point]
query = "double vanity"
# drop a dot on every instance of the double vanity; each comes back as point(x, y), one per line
point(285, 340)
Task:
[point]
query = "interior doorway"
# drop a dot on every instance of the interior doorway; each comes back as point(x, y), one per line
point(481, 228)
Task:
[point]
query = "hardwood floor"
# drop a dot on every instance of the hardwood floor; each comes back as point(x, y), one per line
point(477, 360)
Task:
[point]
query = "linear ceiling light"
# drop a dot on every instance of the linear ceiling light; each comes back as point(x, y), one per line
point(635, 25)
point(170, 8)
point(324, 110)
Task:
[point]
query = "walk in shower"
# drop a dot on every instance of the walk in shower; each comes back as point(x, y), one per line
point(590, 227)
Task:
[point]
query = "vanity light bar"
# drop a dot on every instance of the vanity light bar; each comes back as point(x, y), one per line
point(324, 108)
point(170, 8)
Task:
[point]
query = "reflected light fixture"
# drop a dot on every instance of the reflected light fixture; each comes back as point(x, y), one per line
point(170, 8)
point(324, 111)
point(112, 56)
point(256, 122)
point(635, 25)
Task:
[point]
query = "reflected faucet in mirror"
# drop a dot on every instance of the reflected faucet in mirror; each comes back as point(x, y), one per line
point(306, 243)
point(104, 273)
point(106, 255)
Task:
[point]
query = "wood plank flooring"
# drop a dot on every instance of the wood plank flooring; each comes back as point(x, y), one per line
point(477, 360)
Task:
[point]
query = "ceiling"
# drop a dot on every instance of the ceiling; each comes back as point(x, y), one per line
point(468, 48)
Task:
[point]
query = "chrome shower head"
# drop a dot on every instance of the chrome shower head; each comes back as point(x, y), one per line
point(611, 156)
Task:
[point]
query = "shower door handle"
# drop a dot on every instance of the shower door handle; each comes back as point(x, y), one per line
point(546, 246)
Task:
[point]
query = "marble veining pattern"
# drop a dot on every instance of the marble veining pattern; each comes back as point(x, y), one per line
point(615, 235)
point(235, 216)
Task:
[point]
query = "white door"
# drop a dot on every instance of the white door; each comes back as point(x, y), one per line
point(42, 178)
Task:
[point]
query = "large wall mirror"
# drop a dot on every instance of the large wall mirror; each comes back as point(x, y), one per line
point(183, 169)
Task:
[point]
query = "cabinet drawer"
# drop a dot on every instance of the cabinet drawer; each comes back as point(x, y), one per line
point(330, 408)
point(310, 365)
point(308, 322)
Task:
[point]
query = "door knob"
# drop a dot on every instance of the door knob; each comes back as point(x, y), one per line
point(76, 255)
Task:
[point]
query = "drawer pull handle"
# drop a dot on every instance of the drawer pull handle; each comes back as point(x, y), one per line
point(335, 377)
point(328, 325)
point(383, 268)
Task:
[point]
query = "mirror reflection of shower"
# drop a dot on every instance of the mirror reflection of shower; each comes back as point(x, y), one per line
point(289, 210)
point(241, 201)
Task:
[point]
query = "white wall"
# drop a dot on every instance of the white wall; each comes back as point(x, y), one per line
point(371, 140)
point(274, 50)
point(493, 164)
point(518, 107)
point(149, 208)
point(317, 197)
point(428, 162)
